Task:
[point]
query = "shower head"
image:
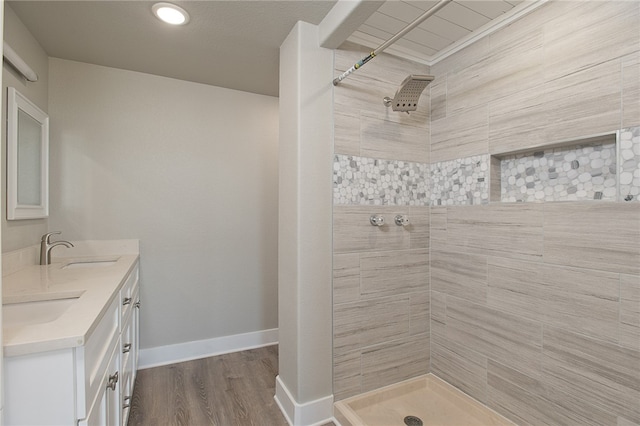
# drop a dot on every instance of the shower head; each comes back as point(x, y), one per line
point(406, 98)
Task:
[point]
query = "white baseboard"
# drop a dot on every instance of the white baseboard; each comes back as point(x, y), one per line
point(313, 413)
point(171, 354)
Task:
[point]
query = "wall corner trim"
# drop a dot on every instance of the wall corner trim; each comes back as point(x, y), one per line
point(187, 351)
point(312, 413)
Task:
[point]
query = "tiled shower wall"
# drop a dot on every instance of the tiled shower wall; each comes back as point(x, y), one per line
point(535, 307)
point(381, 274)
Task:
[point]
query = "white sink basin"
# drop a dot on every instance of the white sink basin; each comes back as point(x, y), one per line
point(29, 313)
point(81, 264)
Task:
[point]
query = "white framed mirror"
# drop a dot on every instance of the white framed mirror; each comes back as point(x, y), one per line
point(27, 158)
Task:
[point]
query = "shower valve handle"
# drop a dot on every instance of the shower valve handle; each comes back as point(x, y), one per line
point(402, 220)
point(376, 220)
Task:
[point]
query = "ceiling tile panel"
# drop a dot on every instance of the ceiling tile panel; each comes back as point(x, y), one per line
point(401, 10)
point(383, 36)
point(462, 16)
point(454, 23)
point(444, 28)
point(490, 9)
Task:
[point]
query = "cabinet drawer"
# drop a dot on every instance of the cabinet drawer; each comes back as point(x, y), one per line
point(94, 357)
point(126, 294)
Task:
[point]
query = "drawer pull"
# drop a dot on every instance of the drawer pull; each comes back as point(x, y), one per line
point(126, 301)
point(112, 382)
point(137, 304)
point(126, 348)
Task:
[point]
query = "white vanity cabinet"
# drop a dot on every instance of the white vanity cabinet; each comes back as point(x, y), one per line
point(88, 385)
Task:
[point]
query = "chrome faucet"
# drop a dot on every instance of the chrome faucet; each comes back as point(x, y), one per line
point(46, 245)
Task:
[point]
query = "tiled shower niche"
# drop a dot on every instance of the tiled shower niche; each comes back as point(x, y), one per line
point(578, 170)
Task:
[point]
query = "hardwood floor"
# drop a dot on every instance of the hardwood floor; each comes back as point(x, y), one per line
point(228, 390)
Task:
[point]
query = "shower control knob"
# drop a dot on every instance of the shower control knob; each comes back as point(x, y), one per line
point(376, 220)
point(402, 220)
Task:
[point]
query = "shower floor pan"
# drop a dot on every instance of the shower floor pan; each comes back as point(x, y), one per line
point(427, 397)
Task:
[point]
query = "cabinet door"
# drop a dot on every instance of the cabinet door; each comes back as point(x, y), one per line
point(106, 410)
point(113, 407)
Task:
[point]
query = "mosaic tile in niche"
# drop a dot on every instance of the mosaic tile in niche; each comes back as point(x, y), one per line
point(568, 173)
point(629, 164)
point(460, 181)
point(363, 180)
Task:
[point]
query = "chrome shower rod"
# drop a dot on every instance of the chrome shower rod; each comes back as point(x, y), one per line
point(392, 40)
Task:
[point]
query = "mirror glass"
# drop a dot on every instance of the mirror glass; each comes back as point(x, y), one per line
point(27, 158)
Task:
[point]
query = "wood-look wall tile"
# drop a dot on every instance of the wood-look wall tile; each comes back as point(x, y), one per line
point(353, 96)
point(419, 220)
point(604, 236)
point(631, 90)
point(439, 97)
point(395, 361)
point(464, 58)
point(360, 324)
point(466, 86)
point(602, 374)
point(593, 33)
point(506, 230)
point(518, 121)
point(394, 272)
point(346, 277)
point(419, 312)
point(438, 310)
point(630, 311)
point(352, 231)
point(584, 103)
point(460, 135)
point(346, 135)
point(526, 400)
point(461, 367)
point(462, 275)
point(514, 65)
point(585, 301)
point(626, 422)
point(506, 338)
point(438, 228)
point(346, 374)
point(393, 141)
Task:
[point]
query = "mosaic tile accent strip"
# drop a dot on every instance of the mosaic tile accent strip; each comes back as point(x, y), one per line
point(568, 173)
point(630, 164)
point(461, 181)
point(362, 180)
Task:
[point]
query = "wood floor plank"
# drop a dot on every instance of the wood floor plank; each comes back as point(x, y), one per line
point(226, 390)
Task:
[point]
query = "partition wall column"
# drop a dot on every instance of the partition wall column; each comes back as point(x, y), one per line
point(304, 384)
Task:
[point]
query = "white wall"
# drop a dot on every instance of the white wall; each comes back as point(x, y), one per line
point(189, 169)
point(17, 234)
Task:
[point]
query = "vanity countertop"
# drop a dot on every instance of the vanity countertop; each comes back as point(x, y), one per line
point(95, 288)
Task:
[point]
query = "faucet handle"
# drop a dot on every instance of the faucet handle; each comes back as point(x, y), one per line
point(47, 237)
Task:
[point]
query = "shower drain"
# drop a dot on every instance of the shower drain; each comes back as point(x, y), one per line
point(412, 421)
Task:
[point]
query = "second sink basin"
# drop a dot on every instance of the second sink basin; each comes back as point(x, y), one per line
point(29, 313)
point(81, 264)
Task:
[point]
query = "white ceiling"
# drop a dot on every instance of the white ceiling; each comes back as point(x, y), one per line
point(233, 44)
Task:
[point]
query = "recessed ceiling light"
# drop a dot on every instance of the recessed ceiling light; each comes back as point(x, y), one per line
point(170, 13)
